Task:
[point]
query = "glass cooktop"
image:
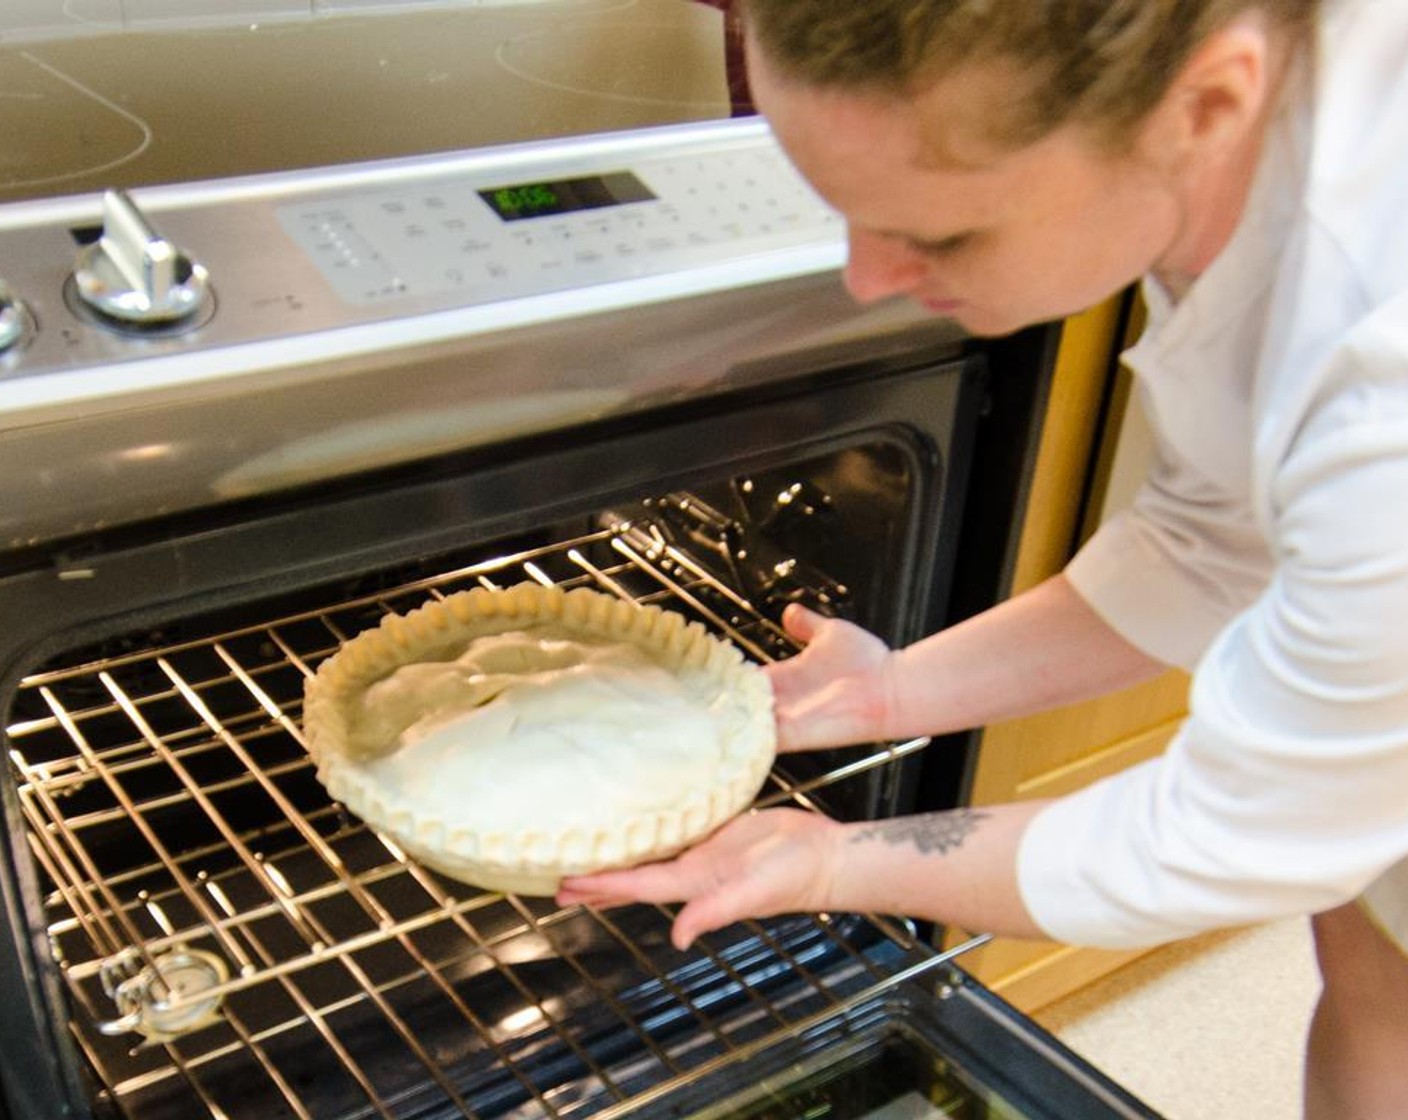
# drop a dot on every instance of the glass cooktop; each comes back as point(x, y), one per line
point(122, 93)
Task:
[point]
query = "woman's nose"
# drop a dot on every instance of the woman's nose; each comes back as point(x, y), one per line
point(879, 266)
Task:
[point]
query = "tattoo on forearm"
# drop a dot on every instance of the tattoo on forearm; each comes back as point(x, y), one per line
point(929, 832)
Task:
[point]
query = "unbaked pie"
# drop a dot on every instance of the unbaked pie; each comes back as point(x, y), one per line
point(509, 738)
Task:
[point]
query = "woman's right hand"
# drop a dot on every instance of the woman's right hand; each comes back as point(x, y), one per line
point(837, 691)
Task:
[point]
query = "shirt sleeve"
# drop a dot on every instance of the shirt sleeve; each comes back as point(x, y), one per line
point(1286, 790)
point(1172, 570)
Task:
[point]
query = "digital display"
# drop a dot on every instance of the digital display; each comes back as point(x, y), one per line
point(538, 200)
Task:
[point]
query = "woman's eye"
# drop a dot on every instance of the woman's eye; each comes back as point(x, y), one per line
point(943, 246)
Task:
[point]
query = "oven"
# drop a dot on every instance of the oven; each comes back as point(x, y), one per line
point(243, 417)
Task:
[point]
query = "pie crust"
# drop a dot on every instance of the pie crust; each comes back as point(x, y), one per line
point(509, 738)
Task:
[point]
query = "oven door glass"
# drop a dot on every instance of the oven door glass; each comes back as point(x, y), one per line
point(890, 1076)
point(918, 1053)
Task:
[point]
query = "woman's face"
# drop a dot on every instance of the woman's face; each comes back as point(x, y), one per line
point(995, 239)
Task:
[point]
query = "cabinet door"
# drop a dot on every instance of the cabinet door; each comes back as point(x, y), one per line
point(1081, 470)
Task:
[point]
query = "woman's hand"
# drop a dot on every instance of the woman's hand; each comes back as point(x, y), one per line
point(837, 691)
point(778, 861)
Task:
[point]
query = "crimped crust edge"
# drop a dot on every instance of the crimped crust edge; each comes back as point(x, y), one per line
point(532, 861)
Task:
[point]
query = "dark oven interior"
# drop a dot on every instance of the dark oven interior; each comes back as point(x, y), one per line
point(209, 935)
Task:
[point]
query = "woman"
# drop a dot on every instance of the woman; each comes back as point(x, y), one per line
point(1003, 163)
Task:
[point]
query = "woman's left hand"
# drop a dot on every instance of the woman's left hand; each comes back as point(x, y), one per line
point(778, 861)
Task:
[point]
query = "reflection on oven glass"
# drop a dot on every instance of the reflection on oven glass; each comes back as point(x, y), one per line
point(895, 1077)
point(816, 532)
point(387, 440)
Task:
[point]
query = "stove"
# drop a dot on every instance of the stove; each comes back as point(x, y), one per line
point(309, 313)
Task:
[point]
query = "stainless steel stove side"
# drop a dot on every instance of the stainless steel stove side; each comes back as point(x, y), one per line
point(78, 468)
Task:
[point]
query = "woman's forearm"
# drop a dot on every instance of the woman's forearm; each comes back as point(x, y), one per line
point(956, 868)
point(1042, 649)
point(1039, 650)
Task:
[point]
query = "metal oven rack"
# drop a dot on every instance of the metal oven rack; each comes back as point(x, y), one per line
point(234, 944)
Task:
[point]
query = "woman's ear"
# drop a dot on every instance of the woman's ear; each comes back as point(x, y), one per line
point(1216, 99)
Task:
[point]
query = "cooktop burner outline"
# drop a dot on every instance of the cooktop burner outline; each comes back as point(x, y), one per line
point(145, 134)
point(150, 102)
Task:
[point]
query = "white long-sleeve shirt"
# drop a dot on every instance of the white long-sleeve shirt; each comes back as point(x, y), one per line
point(1268, 549)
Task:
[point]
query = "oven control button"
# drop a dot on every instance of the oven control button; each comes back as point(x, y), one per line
point(15, 320)
point(134, 277)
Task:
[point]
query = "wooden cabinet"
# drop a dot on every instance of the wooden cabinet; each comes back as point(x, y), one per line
point(1056, 752)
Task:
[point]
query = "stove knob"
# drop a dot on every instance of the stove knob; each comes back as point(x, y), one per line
point(15, 321)
point(135, 276)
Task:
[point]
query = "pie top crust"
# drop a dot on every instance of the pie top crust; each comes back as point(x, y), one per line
point(509, 738)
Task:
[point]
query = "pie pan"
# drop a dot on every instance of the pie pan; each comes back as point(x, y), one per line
point(585, 732)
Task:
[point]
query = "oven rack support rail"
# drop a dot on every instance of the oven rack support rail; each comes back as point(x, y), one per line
point(226, 934)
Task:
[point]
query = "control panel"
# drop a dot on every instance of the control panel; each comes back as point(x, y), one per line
point(197, 270)
point(488, 239)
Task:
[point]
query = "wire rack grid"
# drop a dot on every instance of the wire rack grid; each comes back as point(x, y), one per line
point(233, 943)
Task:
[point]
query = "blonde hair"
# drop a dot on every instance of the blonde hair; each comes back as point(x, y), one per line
point(1105, 63)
